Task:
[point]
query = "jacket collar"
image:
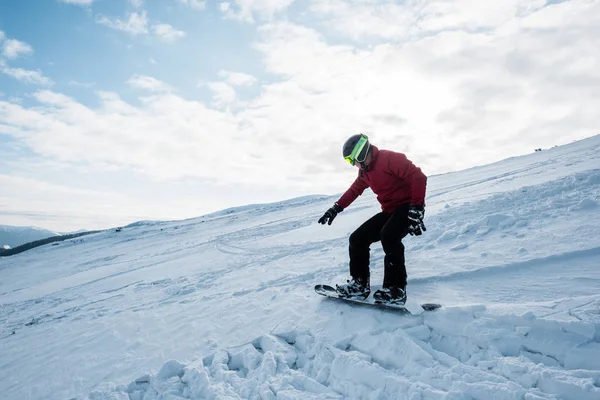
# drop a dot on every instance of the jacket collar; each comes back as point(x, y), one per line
point(375, 153)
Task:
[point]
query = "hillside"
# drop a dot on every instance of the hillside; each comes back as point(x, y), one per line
point(14, 236)
point(222, 306)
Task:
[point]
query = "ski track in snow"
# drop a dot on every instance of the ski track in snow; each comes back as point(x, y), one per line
point(225, 303)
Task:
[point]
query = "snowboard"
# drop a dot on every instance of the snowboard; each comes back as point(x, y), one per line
point(410, 308)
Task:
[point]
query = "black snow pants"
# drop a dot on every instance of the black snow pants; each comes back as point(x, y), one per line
point(390, 229)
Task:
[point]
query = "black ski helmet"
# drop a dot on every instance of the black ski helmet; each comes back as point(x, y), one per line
point(356, 148)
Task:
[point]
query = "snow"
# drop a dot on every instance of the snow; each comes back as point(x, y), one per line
point(222, 306)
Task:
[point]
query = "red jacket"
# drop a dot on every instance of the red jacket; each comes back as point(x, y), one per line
point(393, 178)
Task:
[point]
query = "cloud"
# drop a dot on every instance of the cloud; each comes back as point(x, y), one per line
point(13, 48)
point(40, 202)
point(384, 19)
point(75, 83)
point(136, 24)
point(148, 83)
point(164, 138)
point(167, 132)
point(356, 20)
point(449, 97)
point(246, 10)
point(78, 2)
point(194, 4)
point(136, 3)
point(225, 7)
point(237, 78)
point(166, 32)
point(39, 188)
point(27, 76)
point(528, 80)
point(223, 94)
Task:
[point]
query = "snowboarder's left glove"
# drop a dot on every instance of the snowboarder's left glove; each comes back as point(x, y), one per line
point(330, 214)
point(415, 219)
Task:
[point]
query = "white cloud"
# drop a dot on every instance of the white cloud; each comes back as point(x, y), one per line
point(148, 83)
point(471, 15)
point(81, 84)
point(237, 78)
point(529, 82)
point(246, 10)
point(223, 94)
point(13, 48)
point(194, 4)
point(450, 99)
point(362, 20)
point(224, 7)
point(60, 206)
point(39, 188)
point(136, 3)
point(136, 24)
point(168, 133)
point(27, 76)
point(78, 2)
point(166, 32)
point(387, 19)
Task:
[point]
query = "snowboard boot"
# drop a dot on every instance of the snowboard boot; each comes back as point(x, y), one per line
point(357, 287)
point(391, 294)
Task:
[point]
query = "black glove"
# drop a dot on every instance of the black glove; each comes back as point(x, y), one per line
point(415, 220)
point(330, 214)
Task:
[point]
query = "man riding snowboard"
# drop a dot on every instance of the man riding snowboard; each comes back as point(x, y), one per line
point(400, 188)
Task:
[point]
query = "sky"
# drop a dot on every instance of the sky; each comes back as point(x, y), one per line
point(124, 110)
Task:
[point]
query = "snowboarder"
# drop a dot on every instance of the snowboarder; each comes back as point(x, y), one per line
point(400, 188)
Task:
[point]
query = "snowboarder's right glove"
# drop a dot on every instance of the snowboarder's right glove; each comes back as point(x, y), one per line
point(330, 214)
point(415, 220)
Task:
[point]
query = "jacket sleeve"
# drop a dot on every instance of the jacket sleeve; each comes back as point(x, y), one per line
point(405, 169)
point(357, 188)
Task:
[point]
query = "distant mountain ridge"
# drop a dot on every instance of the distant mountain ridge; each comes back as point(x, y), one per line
point(17, 235)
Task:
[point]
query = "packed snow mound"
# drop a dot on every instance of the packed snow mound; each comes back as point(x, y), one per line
point(222, 306)
point(457, 353)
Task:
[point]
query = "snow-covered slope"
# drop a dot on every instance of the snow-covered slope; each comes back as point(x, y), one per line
point(222, 306)
point(14, 236)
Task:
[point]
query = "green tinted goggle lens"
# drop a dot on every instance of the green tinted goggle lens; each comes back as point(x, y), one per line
point(353, 157)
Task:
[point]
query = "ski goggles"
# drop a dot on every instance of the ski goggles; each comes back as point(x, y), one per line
point(355, 156)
